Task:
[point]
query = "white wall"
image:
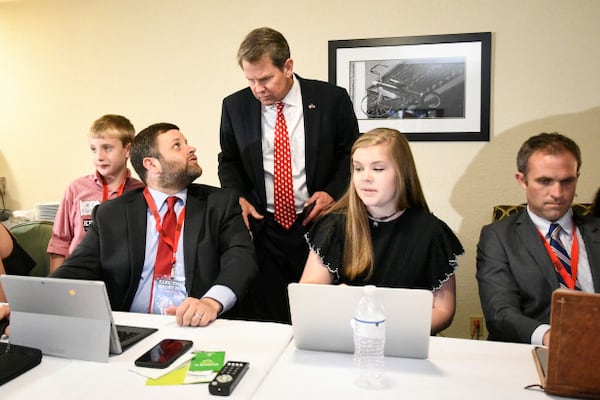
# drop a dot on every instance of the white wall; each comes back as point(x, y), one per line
point(65, 63)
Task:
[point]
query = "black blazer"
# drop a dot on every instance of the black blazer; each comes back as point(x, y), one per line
point(217, 246)
point(516, 276)
point(330, 127)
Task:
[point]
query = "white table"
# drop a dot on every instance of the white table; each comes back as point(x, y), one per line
point(259, 343)
point(456, 369)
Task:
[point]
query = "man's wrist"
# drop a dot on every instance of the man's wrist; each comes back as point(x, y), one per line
point(537, 337)
point(215, 304)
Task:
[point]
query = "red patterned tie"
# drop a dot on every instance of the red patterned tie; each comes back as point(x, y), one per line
point(164, 254)
point(285, 210)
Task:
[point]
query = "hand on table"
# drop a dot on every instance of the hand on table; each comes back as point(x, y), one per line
point(196, 312)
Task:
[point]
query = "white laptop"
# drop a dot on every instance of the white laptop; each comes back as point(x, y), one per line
point(321, 316)
point(66, 318)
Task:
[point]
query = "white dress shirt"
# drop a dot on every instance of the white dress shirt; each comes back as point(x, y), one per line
point(141, 300)
point(294, 118)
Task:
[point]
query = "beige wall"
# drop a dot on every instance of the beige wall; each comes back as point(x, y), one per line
point(65, 63)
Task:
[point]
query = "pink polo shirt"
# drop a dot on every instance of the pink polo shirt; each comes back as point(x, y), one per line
point(75, 211)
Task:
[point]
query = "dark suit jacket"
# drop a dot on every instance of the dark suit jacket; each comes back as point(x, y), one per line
point(217, 246)
point(516, 276)
point(330, 128)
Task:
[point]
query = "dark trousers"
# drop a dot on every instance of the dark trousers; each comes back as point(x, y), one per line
point(281, 255)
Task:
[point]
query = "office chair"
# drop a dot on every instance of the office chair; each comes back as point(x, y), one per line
point(502, 211)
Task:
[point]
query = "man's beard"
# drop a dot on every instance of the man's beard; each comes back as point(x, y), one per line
point(177, 176)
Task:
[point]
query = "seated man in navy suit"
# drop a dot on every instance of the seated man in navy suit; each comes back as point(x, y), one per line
point(210, 258)
point(523, 258)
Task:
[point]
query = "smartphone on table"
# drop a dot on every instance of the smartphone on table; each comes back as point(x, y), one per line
point(164, 353)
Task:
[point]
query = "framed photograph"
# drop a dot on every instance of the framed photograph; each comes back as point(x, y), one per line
point(427, 87)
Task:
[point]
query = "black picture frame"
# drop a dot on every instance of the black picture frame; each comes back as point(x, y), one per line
point(431, 88)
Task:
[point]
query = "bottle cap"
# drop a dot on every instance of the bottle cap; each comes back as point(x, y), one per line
point(369, 290)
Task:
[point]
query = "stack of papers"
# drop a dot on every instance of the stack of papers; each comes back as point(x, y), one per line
point(46, 211)
point(195, 367)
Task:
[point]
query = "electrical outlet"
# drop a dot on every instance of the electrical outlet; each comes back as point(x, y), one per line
point(3, 185)
point(476, 327)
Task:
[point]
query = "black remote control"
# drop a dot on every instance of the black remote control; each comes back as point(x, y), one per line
point(228, 378)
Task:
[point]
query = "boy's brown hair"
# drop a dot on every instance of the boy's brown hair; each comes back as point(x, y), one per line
point(113, 126)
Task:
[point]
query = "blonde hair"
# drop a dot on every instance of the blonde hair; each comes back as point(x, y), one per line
point(114, 127)
point(358, 246)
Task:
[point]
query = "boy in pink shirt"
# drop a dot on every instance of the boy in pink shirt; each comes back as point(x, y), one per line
point(110, 140)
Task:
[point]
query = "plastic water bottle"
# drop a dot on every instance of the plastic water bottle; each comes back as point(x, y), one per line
point(369, 339)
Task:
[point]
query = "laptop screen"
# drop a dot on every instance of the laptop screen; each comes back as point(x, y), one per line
point(321, 317)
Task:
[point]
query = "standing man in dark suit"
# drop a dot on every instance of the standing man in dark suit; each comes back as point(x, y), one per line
point(210, 257)
point(517, 266)
point(321, 128)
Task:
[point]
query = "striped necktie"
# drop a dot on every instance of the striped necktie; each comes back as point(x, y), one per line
point(560, 252)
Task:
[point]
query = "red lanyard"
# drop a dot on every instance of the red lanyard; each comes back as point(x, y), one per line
point(105, 188)
point(570, 280)
point(163, 235)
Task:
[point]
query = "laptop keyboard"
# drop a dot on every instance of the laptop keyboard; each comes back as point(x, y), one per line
point(125, 335)
point(129, 335)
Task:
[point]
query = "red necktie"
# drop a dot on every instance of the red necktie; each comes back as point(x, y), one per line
point(164, 254)
point(285, 209)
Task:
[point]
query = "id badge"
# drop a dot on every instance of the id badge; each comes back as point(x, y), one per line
point(87, 206)
point(85, 209)
point(167, 292)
